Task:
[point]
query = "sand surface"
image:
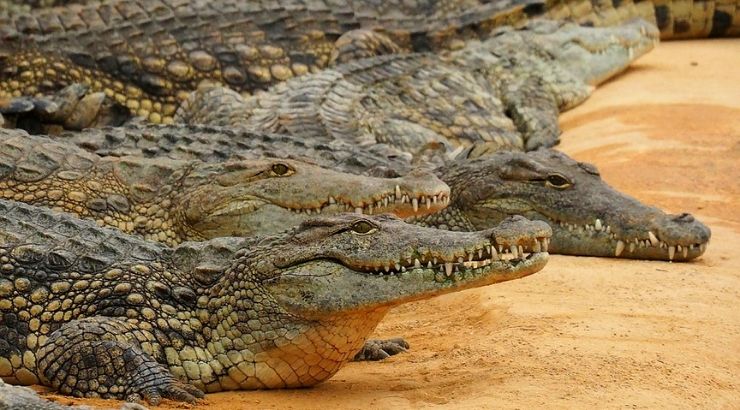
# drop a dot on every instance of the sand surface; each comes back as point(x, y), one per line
point(589, 332)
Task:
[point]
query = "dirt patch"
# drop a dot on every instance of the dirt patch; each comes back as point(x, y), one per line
point(590, 332)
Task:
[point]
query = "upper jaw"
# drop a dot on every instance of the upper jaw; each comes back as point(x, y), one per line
point(512, 241)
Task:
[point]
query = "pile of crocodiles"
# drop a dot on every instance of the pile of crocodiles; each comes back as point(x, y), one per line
point(218, 195)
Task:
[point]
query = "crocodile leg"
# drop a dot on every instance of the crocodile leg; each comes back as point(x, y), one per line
point(104, 357)
point(363, 43)
point(71, 108)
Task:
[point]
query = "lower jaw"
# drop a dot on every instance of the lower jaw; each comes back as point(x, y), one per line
point(568, 245)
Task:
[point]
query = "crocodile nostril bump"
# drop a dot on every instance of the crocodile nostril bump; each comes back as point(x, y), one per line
point(684, 217)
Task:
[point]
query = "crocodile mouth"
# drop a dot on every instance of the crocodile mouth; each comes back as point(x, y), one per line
point(399, 202)
point(647, 244)
point(456, 265)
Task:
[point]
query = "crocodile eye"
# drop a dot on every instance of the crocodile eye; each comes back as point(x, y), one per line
point(280, 169)
point(363, 227)
point(557, 181)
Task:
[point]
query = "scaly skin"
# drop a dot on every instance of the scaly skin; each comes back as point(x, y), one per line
point(588, 217)
point(155, 53)
point(23, 398)
point(219, 144)
point(173, 200)
point(94, 312)
point(483, 191)
point(505, 92)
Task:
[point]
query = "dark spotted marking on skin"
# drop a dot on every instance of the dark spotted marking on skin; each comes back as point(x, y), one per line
point(681, 26)
point(721, 22)
point(662, 16)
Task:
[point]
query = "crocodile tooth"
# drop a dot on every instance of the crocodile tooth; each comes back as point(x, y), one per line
point(536, 246)
point(435, 260)
point(429, 264)
point(619, 249)
point(632, 247)
point(500, 248)
point(490, 249)
point(480, 253)
point(318, 210)
point(332, 200)
point(685, 252)
point(653, 238)
point(417, 263)
point(679, 248)
point(470, 256)
point(387, 268)
point(703, 247)
point(608, 229)
point(434, 198)
point(429, 202)
point(460, 260)
point(671, 252)
point(398, 266)
point(370, 209)
point(403, 269)
point(514, 251)
point(448, 268)
point(494, 255)
point(385, 201)
point(398, 191)
point(521, 250)
point(404, 199)
point(597, 225)
point(358, 210)
point(415, 204)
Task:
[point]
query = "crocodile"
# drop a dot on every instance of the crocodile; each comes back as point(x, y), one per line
point(588, 217)
point(172, 201)
point(502, 93)
point(155, 53)
point(94, 312)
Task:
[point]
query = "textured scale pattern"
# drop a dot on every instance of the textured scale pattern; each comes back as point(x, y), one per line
point(217, 144)
point(157, 52)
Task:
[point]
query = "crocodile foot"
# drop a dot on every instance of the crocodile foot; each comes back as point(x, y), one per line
point(71, 108)
point(379, 349)
point(103, 357)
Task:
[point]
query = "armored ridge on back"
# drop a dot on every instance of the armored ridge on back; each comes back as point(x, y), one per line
point(505, 92)
point(176, 200)
point(156, 53)
point(93, 312)
point(588, 217)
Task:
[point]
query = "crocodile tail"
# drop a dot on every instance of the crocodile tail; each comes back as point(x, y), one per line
point(676, 19)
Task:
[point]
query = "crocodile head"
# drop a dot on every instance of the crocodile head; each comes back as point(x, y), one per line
point(328, 282)
point(588, 216)
point(594, 54)
point(251, 197)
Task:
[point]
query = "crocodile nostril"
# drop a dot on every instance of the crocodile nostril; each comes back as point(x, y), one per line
point(684, 217)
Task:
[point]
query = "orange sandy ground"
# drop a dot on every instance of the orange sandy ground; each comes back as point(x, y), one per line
point(589, 332)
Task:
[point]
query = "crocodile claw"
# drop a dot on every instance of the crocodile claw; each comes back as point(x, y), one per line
point(376, 349)
point(169, 388)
